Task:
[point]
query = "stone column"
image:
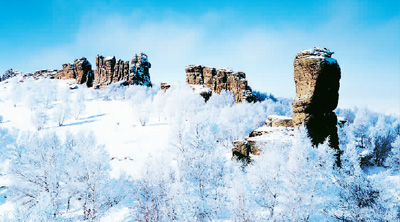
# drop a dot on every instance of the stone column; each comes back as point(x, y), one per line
point(317, 76)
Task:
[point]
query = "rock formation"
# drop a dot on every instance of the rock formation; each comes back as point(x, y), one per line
point(218, 80)
point(275, 127)
point(109, 70)
point(9, 74)
point(279, 121)
point(81, 71)
point(67, 72)
point(44, 73)
point(316, 77)
point(140, 70)
point(165, 86)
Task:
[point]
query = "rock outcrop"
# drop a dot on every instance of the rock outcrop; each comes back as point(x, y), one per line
point(67, 72)
point(80, 70)
point(220, 79)
point(279, 121)
point(109, 70)
point(44, 73)
point(276, 127)
point(165, 86)
point(83, 72)
point(9, 74)
point(316, 77)
point(140, 70)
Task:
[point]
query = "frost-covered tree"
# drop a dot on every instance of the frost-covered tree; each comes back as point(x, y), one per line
point(182, 103)
point(91, 183)
point(36, 172)
point(307, 180)
point(360, 198)
point(154, 194)
point(241, 202)
point(393, 160)
point(201, 164)
point(62, 110)
point(223, 99)
point(53, 180)
point(16, 93)
point(266, 174)
point(48, 91)
point(78, 105)
point(39, 118)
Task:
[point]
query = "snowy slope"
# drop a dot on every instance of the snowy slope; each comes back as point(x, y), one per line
point(113, 123)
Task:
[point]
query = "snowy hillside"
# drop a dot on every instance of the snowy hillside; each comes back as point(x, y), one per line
point(141, 154)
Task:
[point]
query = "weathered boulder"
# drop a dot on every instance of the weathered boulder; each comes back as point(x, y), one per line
point(218, 80)
point(279, 121)
point(165, 86)
point(317, 77)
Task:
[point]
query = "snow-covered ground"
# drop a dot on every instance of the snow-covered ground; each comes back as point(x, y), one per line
point(113, 123)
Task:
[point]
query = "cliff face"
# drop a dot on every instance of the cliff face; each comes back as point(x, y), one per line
point(317, 77)
point(220, 79)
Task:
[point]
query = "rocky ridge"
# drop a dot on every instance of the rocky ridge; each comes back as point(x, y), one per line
point(9, 74)
point(108, 70)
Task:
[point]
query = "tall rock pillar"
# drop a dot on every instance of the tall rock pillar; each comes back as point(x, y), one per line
point(317, 76)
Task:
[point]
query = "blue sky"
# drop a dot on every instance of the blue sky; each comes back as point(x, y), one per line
point(260, 38)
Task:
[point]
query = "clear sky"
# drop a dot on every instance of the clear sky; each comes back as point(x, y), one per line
point(260, 38)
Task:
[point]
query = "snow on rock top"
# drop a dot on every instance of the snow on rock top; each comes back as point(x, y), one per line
point(109, 58)
point(316, 51)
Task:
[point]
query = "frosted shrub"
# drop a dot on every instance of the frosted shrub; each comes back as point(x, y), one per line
point(143, 117)
point(39, 118)
point(61, 112)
